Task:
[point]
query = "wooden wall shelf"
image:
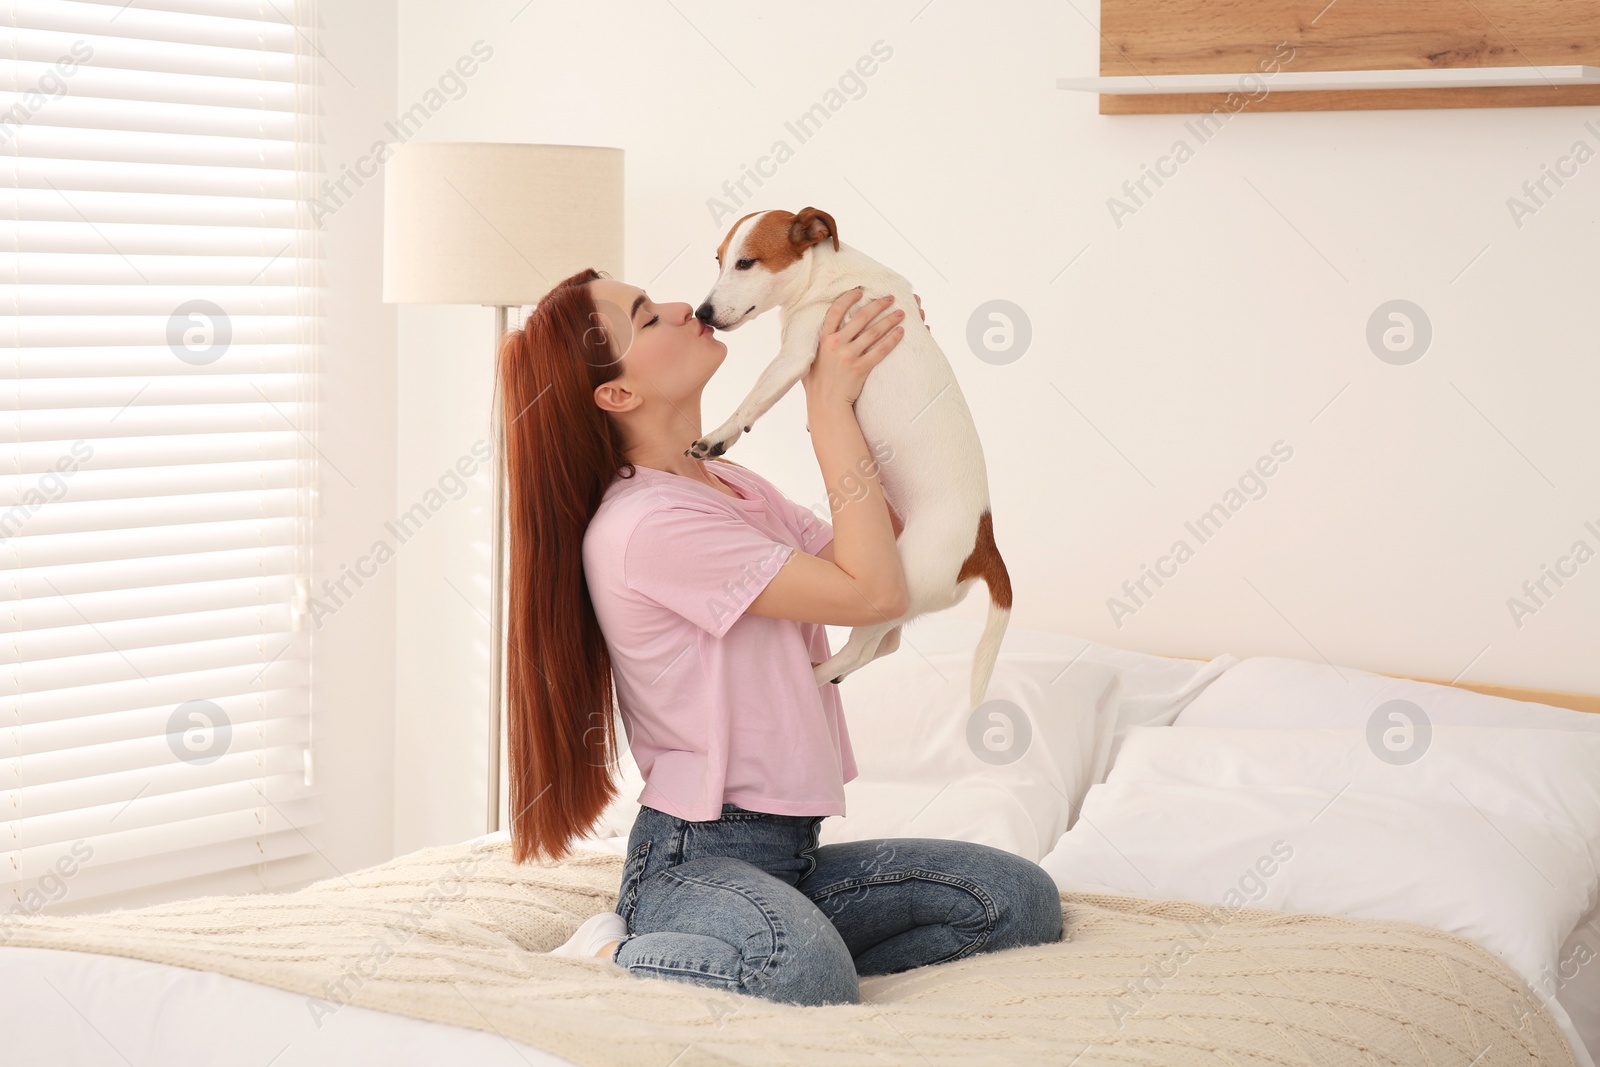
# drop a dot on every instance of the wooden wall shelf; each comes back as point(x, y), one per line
point(1288, 43)
point(1299, 81)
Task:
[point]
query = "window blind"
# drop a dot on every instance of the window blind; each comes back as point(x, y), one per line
point(157, 474)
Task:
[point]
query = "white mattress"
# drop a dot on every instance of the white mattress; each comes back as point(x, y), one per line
point(82, 1009)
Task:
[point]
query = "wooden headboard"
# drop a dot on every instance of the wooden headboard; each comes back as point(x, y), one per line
point(1589, 702)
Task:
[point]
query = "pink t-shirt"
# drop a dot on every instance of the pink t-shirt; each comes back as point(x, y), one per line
point(719, 706)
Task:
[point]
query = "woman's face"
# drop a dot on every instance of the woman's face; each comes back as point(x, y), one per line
point(665, 351)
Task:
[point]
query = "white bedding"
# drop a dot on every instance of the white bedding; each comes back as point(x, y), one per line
point(1492, 836)
point(1258, 990)
point(83, 1009)
point(63, 1007)
point(80, 1009)
point(76, 1008)
point(1278, 693)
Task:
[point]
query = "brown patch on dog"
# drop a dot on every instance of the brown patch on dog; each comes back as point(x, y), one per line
point(782, 237)
point(723, 247)
point(984, 562)
point(769, 242)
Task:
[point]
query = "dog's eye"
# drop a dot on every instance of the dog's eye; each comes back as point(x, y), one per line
point(744, 264)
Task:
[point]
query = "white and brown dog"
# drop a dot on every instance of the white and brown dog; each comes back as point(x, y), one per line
point(910, 409)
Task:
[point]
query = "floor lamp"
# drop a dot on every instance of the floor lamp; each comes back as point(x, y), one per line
point(497, 225)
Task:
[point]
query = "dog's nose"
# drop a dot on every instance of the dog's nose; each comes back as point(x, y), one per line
point(704, 313)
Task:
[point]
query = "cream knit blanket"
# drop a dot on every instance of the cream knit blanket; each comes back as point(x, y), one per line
point(456, 935)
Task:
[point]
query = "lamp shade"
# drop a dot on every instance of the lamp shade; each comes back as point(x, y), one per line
point(497, 224)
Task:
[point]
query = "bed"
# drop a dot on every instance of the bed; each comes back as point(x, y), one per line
point(1154, 789)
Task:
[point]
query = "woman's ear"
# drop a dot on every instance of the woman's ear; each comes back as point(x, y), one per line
point(812, 225)
point(615, 396)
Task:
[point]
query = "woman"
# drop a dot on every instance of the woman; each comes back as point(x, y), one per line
point(700, 592)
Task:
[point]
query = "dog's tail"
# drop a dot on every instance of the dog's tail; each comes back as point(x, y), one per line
point(983, 659)
point(985, 562)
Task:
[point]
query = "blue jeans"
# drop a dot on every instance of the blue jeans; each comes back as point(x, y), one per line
point(750, 903)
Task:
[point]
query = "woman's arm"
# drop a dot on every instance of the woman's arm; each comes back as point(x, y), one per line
point(862, 581)
point(826, 551)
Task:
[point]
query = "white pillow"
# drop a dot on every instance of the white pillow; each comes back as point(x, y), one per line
point(1010, 774)
point(1151, 690)
point(918, 762)
point(973, 809)
point(1291, 694)
point(920, 772)
point(909, 723)
point(1493, 835)
point(1270, 693)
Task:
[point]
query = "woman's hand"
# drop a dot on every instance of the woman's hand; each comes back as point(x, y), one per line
point(848, 349)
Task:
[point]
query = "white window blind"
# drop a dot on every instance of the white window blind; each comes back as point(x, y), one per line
point(157, 473)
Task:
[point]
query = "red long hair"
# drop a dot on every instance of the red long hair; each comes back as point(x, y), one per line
point(561, 452)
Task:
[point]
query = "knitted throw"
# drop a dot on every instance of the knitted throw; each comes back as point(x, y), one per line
point(456, 934)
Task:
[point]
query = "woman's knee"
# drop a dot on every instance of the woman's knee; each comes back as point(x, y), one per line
point(1022, 900)
point(1030, 903)
point(787, 950)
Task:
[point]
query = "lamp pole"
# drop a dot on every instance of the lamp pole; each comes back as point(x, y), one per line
point(497, 566)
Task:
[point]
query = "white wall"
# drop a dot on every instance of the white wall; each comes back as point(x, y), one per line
point(1224, 315)
point(354, 679)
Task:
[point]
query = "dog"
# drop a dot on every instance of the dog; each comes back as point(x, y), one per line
point(910, 409)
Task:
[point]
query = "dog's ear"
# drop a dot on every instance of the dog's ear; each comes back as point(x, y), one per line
point(812, 225)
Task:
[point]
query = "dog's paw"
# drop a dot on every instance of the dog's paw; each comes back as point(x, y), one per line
point(715, 444)
point(701, 450)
